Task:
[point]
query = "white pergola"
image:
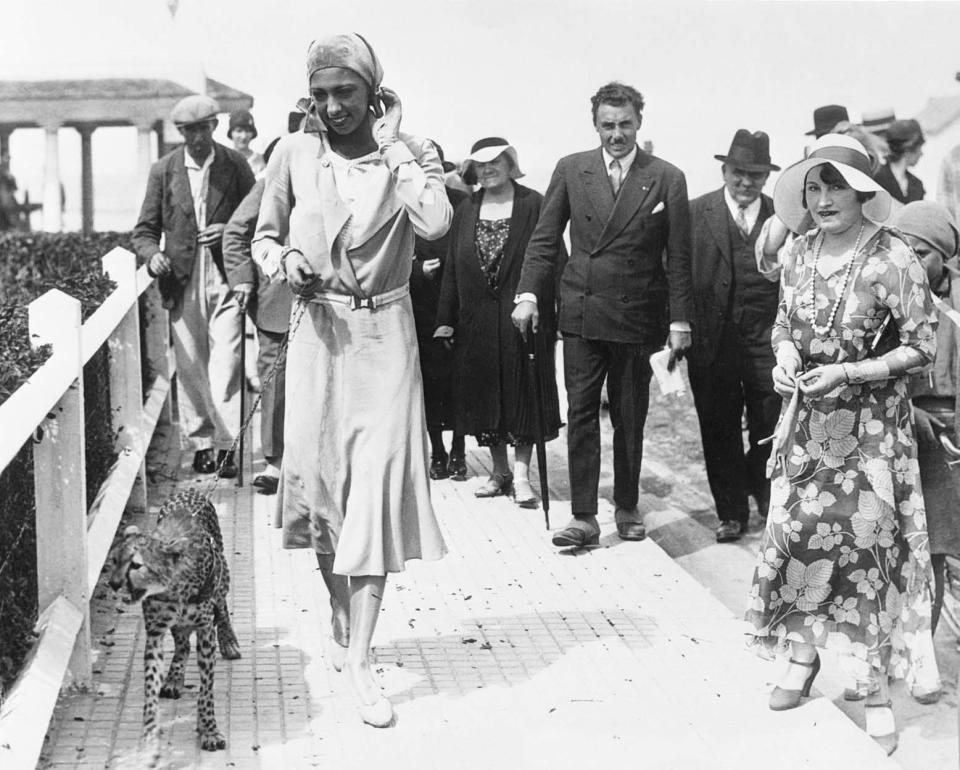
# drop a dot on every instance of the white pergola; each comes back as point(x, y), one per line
point(82, 66)
point(85, 105)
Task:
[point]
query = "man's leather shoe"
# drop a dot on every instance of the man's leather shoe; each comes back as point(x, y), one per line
point(629, 524)
point(266, 484)
point(438, 467)
point(227, 467)
point(729, 531)
point(203, 461)
point(579, 533)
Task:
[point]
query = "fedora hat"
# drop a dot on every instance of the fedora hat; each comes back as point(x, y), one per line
point(751, 152)
point(878, 121)
point(485, 150)
point(850, 159)
point(826, 117)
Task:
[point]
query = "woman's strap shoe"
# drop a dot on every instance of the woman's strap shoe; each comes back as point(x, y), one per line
point(523, 494)
point(438, 467)
point(457, 466)
point(497, 484)
point(379, 714)
point(881, 726)
point(783, 699)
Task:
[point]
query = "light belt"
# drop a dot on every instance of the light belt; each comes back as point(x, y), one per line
point(368, 303)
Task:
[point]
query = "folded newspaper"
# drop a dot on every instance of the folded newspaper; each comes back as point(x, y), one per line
point(669, 381)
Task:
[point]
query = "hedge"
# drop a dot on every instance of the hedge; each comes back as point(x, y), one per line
point(31, 264)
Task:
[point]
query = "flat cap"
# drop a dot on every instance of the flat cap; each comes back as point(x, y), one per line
point(193, 109)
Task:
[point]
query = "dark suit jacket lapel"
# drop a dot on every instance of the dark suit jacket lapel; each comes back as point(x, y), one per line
point(519, 218)
point(637, 185)
point(716, 216)
point(596, 186)
point(180, 185)
point(217, 182)
point(766, 211)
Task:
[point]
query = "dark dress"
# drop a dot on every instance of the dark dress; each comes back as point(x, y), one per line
point(888, 182)
point(493, 390)
point(436, 361)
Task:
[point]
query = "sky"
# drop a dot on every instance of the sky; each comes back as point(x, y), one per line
point(523, 69)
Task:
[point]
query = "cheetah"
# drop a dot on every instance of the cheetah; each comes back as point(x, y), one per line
point(180, 574)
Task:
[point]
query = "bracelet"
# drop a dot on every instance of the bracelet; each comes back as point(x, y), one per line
point(858, 377)
point(846, 374)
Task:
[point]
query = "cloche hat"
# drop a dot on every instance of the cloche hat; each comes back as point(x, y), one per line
point(241, 119)
point(930, 222)
point(850, 159)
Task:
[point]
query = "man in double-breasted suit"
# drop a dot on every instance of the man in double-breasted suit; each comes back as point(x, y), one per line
point(191, 194)
point(731, 360)
point(627, 280)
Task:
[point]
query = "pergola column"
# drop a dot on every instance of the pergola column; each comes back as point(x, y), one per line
point(5, 141)
point(144, 156)
point(52, 200)
point(86, 177)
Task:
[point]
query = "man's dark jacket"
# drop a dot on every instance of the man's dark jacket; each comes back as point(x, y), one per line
point(168, 211)
point(628, 274)
point(713, 276)
point(270, 305)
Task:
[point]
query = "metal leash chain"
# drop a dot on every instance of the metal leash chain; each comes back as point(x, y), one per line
point(298, 313)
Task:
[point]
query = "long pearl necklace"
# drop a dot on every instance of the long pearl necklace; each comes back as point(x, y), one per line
point(817, 328)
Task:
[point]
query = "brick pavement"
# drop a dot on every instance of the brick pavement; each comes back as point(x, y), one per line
point(505, 653)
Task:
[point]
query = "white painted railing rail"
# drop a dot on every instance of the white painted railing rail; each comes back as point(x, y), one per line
point(73, 542)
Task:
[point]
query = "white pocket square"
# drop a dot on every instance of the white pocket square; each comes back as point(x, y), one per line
point(658, 208)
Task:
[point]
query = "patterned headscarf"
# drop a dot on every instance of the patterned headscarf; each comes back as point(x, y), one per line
point(349, 51)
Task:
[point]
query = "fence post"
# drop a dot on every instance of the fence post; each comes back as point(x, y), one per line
point(157, 341)
point(126, 385)
point(59, 460)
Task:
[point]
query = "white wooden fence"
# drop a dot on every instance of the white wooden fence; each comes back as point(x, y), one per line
point(73, 542)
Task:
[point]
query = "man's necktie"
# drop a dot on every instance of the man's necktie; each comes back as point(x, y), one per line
point(742, 222)
point(616, 175)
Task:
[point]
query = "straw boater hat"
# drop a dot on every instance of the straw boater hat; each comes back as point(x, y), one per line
point(850, 159)
point(485, 150)
point(878, 121)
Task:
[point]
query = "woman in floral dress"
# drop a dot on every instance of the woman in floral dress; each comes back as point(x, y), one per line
point(844, 559)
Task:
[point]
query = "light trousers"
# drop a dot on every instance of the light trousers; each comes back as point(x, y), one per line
point(207, 331)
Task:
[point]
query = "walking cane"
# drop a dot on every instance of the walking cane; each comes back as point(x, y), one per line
point(243, 388)
point(530, 343)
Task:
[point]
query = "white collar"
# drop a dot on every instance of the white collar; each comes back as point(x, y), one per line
point(192, 165)
point(751, 212)
point(625, 162)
